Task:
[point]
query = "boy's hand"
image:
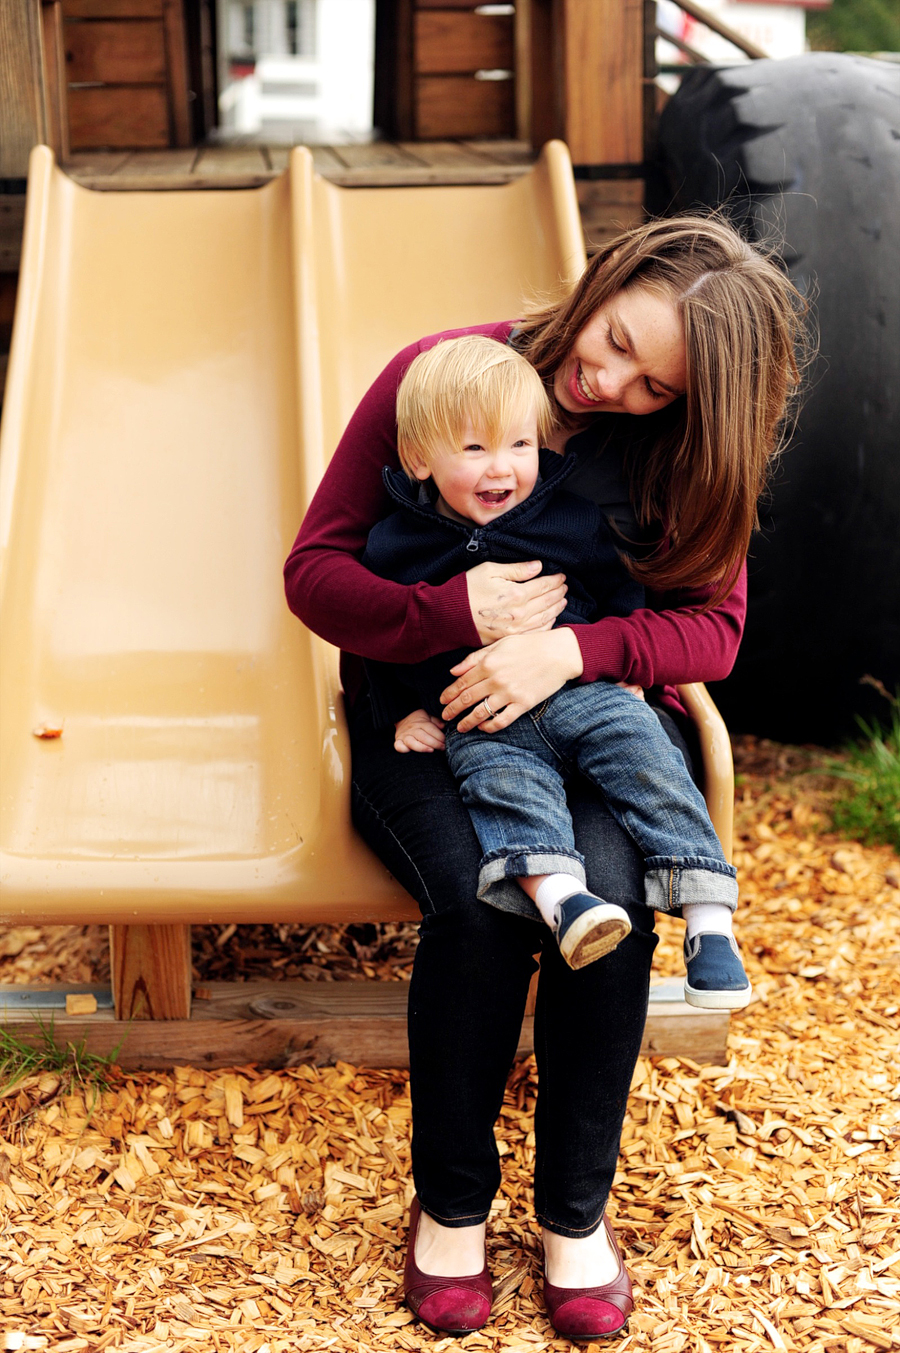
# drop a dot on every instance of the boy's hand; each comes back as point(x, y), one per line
point(508, 599)
point(419, 732)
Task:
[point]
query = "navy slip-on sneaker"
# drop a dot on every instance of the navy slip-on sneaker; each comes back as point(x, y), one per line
point(587, 928)
point(715, 974)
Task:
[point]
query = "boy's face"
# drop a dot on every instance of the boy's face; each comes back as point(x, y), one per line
point(482, 477)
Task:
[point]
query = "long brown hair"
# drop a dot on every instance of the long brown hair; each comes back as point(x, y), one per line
point(700, 467)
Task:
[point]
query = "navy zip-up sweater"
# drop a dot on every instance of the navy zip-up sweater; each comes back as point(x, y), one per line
point(568, 533)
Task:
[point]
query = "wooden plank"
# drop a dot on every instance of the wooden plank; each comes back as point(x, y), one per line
point(603, 74)
point(450, 43)
point(461, 106)
point(91, 164)
point(56, 108)
point(155, 164)
point(376, 155)
point(608, 207)
point(283, 1023)
point(177, 72)
point(514, 152)
point(12, 221)
point(151, 971)
point(217, 162)
point(118, 117)
point(113, 9)
point(21, 85)
point(116, 53)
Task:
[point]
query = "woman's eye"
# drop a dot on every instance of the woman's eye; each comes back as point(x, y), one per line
point(655, 394)
point(616, 347)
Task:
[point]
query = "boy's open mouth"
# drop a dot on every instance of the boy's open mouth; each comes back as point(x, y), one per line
point(494, 497)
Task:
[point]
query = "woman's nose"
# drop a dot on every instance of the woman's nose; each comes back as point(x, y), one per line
point(608, 384)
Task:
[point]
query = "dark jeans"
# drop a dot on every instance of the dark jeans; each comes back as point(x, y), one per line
point(469, 987)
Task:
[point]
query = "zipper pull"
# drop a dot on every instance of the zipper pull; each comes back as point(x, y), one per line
point(473, 544)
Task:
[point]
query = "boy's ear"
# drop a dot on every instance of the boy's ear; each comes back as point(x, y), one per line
point(422, 472)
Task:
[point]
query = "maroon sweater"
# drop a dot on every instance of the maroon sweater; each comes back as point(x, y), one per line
point(668, 642)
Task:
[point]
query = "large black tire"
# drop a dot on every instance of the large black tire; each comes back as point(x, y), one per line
point(807, 151)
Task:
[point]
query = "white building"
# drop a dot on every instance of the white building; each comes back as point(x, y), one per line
point(296, 69)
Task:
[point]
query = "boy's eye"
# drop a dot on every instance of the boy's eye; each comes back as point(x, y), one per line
point(473, 446)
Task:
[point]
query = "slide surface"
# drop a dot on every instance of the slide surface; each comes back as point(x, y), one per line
point(183, 364)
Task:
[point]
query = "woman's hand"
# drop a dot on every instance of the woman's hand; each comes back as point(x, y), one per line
point(513, 675)
point(509, 599)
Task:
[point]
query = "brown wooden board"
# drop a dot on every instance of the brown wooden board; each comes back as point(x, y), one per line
point(459, 105)
point(113, 9)
point(447, 43)
point(116, 53)
point(12, 220)
point(285, 1023)
point(118, 116)
point(603, 75)
point(21, 86)
point(150, 967)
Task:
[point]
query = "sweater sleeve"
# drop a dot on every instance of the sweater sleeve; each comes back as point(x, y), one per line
point(325, 583)
point(678, 642)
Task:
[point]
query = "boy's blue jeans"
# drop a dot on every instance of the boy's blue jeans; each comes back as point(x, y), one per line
point(513, 784)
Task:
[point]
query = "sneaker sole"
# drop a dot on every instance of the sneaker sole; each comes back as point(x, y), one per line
point(717, 1000)
point(590, 937)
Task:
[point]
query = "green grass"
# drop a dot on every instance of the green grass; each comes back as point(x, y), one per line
point(868, 807)
point(72, 1063)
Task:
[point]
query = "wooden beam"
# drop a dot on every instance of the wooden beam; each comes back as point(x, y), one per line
point(21, 85)
point(284, 1023)
point(151, 972)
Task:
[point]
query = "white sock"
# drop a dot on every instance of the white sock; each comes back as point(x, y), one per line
point(712, 918)
point(555, 889)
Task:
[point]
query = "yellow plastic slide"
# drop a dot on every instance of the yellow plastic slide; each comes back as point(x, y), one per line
point(182, 365)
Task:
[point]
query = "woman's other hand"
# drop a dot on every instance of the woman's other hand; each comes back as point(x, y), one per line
point(513, 675)
point(419, 732)
point(632, 690)
point(510, 599)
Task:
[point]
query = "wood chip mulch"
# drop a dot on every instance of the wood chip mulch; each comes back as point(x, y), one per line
point(266, 1211)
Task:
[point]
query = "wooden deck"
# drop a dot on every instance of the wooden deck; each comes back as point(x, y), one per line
point(607, 205)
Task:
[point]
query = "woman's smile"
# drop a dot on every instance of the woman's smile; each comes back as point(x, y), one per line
point(629, 358)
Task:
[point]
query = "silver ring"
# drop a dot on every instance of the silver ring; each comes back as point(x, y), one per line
point(491, 714)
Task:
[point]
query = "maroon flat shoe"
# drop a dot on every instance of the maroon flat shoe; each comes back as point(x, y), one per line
point(592, 1312)
point(446, 1305)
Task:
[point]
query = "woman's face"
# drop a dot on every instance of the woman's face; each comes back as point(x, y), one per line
point(628, 359)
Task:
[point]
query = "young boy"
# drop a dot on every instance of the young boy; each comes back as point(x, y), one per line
point(471, 417)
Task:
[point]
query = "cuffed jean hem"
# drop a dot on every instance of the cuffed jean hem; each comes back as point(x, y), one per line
point(670, 885)
point(500, 869)
point(567, 1230)
point(472, 1219)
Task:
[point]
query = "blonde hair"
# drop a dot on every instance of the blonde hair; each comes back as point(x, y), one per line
point(701, 465)
point(471, 381)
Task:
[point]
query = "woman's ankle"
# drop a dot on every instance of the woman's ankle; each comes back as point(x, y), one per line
point(449, 1251)
point(583, 1261)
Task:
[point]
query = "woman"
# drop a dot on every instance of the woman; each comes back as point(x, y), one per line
point(671, 366)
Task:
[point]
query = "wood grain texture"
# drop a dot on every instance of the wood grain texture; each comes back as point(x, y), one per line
point(603, 74)
point(461, 42)
point(363, 1023)
point(113, 9)
point(118, 116)
point(177, 72)
point(151, 971)
point(12, 221)
point(21, 85)
point(116, 53)
point(56, 107)
point(459, 105)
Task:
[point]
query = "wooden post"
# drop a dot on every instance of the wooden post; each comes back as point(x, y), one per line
point(21, 85)
point(587, 79)
point(151, 971)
